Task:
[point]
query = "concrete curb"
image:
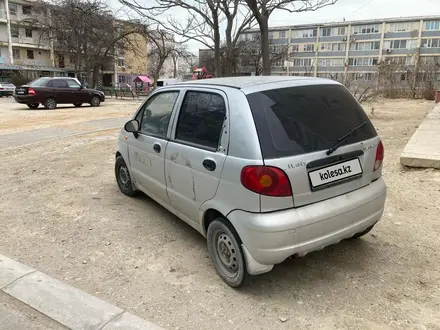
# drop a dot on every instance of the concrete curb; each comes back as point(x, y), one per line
point(72, 308)
point(423, 150)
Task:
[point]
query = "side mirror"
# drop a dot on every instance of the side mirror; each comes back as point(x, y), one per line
point(132, 127)
point(81, 87)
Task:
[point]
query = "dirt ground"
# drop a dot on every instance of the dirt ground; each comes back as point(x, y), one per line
point(16, 117)
point(61, 212)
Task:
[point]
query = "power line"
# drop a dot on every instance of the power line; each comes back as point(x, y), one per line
point(363, 6)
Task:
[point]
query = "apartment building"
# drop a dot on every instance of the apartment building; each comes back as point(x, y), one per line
point(352, 50)
point(23, 49)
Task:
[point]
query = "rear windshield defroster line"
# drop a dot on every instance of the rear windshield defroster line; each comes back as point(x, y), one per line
point(298, 120)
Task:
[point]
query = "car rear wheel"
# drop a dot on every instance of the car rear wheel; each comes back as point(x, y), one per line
point(33, 105)
point(224, 246)
point(77, 104)
point(365, 232)
point(123, 177)
point(50, 103)
point(95, 101)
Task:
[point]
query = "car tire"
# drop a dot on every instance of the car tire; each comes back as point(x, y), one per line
point(123, 177)
point(95, 101)
point(50, 103)
point(33, 105)
point(77, 104)
point(363, 233)
point(224, 246)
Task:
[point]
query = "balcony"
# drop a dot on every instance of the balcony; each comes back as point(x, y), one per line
point(34, 62)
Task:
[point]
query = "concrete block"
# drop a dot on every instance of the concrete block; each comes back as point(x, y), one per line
point(11, 270)
point(423, 149)
point(69, 306)
point(127, 321)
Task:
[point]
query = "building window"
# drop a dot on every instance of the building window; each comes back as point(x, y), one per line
point(309, 48)
point(30, 54)
point(14, 31)
point(363, 61)
point(366, 29)
point(326, 47)
point(430, 25)
point(339, 47)
point(271, 35)
point(363, 76)
point(303, 62)
point(327, 32)
point(282, 34)
point(305, 33)
point(295, 48)
point(28, 32)
point(331, 62)
point(16, 53)
point(342, 31)
point(431, 43)
point(61, 62)
point(400, 60)
point(12, 9)
point(369, 45)
point(398, 44)
point(401, 27)
point(27, 10)
point(121, 63)
point(121, 79)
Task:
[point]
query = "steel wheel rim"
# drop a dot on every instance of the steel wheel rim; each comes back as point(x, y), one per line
point(226, 253)
point(124, 176)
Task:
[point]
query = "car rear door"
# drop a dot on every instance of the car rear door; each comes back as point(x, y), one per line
point(196, 153)
point(59, 89)
point(296, 128)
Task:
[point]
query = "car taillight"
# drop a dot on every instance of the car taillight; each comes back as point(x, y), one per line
point(31, 91)
point(266, 180)
point(380, 153)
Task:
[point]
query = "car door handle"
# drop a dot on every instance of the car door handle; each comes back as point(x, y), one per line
point(157, 147)
point(209, 164)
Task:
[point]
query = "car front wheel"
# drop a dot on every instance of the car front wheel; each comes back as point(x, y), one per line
point(95, 101)
point(33, 105)
point(123, 177)
point(224, 246)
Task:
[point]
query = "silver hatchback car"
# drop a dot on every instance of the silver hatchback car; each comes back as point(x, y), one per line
point(264, 167)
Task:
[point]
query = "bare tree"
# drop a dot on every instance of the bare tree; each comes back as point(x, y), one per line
point(85, 31)
point(262, 9)
point(202, 24)
point(162, 48)
point(251, 55)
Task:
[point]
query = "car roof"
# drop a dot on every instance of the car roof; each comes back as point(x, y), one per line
point(249, 81)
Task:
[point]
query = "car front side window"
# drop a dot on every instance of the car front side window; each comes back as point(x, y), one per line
point(156, 113)
point(73, 84)
point(201, 119)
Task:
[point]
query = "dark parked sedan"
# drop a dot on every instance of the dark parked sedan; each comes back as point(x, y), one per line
point(59, 90)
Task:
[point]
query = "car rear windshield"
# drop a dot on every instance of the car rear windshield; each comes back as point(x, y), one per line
point(299, 120)
point(40, 82)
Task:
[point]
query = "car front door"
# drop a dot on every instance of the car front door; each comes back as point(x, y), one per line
point(197, 151)
point(78, 94)
point(147, 151)
point(59, 89)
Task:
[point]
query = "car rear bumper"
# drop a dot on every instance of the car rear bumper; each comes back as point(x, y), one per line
point(270, 238)
point(26, 99)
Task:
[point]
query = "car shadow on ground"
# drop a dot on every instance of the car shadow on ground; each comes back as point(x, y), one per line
point(64, 107)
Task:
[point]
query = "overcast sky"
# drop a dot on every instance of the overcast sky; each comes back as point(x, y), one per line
point(348, 9)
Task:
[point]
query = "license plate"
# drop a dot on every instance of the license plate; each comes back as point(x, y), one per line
point(335, 173)
point(20, 92)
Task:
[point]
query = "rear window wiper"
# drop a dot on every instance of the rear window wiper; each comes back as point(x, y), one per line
point(343, 138)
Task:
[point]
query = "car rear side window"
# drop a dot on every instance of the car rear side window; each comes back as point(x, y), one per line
point(201, 119)
point(58, 83)
point(304, 119)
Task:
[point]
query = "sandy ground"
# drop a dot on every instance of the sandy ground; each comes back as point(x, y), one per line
point(61, 212)
point(16, 117)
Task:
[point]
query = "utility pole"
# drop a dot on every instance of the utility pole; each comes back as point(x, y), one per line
point(8, 27)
